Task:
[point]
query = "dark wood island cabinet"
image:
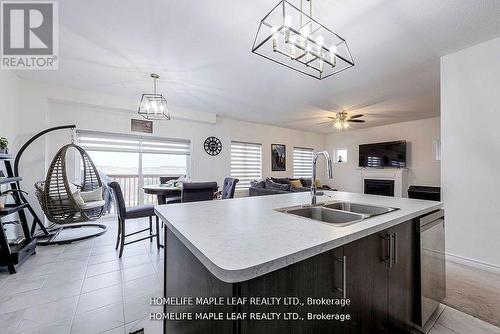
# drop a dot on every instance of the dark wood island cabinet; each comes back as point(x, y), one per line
point(375, 273)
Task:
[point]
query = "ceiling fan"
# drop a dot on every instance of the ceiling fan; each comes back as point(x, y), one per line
point(342, 119)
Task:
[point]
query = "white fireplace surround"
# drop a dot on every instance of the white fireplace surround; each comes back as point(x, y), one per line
point(398, 175)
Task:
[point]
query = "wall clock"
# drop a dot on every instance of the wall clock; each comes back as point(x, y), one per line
point(213, 146)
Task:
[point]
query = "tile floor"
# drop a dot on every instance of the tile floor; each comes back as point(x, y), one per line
point(85, 288)
point(451, 321)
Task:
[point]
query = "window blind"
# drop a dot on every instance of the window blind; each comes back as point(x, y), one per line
point(101, 141)
point(302, 162)
point(246, 162)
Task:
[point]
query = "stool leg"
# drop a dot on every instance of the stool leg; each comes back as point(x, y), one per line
point(118, 234)
point(122, 238)
point(158, 232)
point(151, 228)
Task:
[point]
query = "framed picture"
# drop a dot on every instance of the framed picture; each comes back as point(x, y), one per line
point(278, 157)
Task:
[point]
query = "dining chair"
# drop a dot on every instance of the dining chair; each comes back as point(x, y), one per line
point(229, 187)
point(134, 212)
point(198, 191)
point(170, 199)
point(165, 179)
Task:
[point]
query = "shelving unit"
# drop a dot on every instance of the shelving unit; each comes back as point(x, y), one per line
point(11, 255)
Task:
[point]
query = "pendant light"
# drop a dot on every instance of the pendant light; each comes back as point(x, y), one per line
point(290, 36)
point(153, 106)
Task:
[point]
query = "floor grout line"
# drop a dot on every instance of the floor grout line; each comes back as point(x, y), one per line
point(79, 295)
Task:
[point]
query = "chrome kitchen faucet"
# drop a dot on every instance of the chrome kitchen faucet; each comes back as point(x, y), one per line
point(314, 189)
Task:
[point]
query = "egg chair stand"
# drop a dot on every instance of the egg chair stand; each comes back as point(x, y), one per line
point(57, 201)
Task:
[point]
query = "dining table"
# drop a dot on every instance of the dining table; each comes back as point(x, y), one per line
point(164, 192)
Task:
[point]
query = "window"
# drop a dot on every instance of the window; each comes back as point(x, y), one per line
point(341, 156)
point(246, 162)
point(302, 162)
point(135, 161)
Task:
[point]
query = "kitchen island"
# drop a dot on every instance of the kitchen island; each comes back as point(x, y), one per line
point(246, 248)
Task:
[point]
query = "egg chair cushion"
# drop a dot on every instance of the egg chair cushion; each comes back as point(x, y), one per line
point(88, 199)
point(93, 195)
point(93, 205)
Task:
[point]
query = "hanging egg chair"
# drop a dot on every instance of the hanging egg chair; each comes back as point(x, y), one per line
point(64, 202)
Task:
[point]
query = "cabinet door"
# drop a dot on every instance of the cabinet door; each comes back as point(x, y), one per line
point(313, 277)
point(401, 278)
point(366, 284)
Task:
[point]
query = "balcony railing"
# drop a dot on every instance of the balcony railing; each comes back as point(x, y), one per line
point(132, 191)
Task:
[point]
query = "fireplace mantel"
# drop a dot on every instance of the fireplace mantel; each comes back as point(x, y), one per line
point(399, 175)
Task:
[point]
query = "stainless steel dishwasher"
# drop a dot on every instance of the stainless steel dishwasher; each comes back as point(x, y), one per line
point(431, 265)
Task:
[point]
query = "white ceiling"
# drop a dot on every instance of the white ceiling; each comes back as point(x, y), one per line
point(202, 50)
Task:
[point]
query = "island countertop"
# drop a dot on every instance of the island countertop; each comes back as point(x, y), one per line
point(243, 238)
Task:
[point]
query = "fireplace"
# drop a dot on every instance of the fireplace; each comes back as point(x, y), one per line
point(379, 187)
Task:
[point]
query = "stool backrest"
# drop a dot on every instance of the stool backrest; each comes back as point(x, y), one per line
point(198, 191)
point(119, 200)
point(229, 187)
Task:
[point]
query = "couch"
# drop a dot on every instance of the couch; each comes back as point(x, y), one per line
point(272, 186)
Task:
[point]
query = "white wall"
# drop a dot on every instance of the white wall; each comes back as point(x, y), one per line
point(423, 169)
point(9, 97)
point(49, 106)
point(470, 111)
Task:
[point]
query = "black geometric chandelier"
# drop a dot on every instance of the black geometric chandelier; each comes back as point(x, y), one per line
point(153, 106)
point(292, 38)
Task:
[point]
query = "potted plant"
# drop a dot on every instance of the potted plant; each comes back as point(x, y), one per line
point(3, 145)
point(3, 196)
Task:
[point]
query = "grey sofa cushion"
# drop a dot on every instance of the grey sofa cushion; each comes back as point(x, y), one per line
point(270, 184)
point(281, 180)
point(257, 184)
point(299, 189)
point(263, 191)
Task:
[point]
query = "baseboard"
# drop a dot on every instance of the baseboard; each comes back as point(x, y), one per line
point(473, 263)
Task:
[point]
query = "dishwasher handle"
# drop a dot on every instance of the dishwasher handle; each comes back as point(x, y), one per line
point(430, 219)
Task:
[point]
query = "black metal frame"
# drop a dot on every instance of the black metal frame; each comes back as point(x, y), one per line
point(11, 255)
point(51, 233)
point(255, 47)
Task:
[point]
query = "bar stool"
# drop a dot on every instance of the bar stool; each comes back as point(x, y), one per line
point(138, 211)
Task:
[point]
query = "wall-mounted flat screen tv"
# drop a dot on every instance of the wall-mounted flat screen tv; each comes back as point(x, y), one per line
point(379, 155)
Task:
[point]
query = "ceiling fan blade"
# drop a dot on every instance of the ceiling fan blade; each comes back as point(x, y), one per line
point(356, 116)
point(332, 117)
point(356, 120)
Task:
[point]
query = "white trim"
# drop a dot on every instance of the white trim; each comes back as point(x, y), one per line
point(473, 263)
point(398, 175)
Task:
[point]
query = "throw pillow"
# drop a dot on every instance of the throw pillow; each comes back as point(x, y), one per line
point(277, 186)
point(72, 188)
point(93, 195)
point(77, 197)
point(296, 183)
point(318, 183)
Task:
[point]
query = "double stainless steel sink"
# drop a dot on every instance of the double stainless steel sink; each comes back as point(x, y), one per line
point(339, 213)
